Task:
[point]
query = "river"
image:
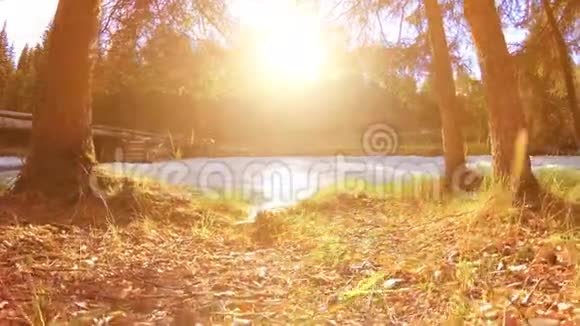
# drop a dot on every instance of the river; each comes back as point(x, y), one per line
point(281, 181)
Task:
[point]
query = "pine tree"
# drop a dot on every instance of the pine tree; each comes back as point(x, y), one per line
point(18, 92)
point(23, 82)
point(453, 141)
point(61, 159)
point(24, 60)
point(566, 65)
point(511, 162)
point(6, 65)
point(38, 62)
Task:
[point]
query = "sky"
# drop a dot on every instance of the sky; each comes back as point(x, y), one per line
point(26, 20)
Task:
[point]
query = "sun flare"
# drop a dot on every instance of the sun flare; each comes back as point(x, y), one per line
point(289, 41)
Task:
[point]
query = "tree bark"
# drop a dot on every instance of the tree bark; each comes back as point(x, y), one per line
point(566, 66)
point(62, 158)
point(444, 84)
point(511, 161)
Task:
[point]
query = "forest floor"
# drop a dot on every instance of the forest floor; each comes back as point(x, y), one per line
point(343, 259)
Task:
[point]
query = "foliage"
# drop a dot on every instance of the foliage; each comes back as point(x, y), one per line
point(542, 83)
point(146, 68)
point(6, 63)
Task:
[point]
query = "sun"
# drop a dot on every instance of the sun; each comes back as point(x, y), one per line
point(292, 52)
point(289, 41)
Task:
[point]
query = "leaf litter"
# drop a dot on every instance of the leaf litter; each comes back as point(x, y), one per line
point(332, 261)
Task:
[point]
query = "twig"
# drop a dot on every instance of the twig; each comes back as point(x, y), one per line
point(245, 314)
point(44, 269)
point(529, 296)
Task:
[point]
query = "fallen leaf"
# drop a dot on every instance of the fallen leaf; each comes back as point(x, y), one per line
point(242, 322)
point(262, 272)
point(517, 268)
point(500, 266)
point(83, 305)
point(485, 307)
point(392, 283)
point(563, 306)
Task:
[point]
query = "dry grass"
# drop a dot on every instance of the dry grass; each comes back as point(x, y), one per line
point(339, 259)
point(118, 201)
point(412, 261)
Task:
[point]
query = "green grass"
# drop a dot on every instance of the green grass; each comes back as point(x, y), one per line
point(411, 186)
point(562, 182)
point(4, 182)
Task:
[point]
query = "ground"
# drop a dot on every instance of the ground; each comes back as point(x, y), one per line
point(177, 258)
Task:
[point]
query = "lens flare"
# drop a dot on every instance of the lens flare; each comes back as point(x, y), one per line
point(289, 41)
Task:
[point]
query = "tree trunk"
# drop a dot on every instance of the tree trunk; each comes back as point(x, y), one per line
point(444, 84)
point(61, 159)
point(511, 161)
point(567, 68)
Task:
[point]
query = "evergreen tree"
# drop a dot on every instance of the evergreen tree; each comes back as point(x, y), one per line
point(6, 65)
point(24, 60)
point(546, 81)
point(19, 92)
point(23, 88)
point(566, 65)
point(511, 162)
point(38, 62)
point(61, 160)
point(453, 141)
